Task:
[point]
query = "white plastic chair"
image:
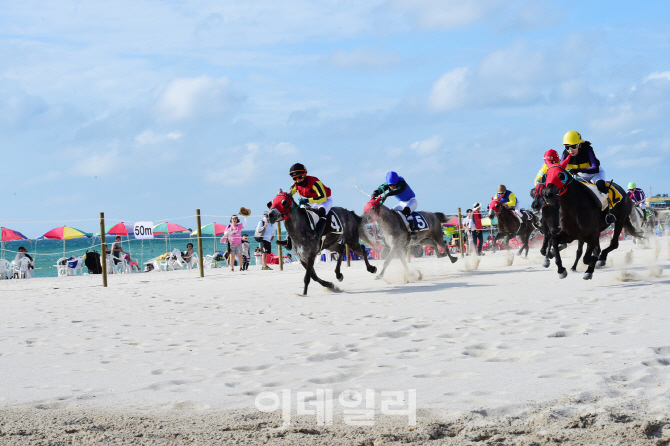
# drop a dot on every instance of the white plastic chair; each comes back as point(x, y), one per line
point(177, 262)
point(193, 262)
point(5, 268)
point(208, 262)
point(113, 267)
point(79, 267)
point(24, 268)
point(62, 268)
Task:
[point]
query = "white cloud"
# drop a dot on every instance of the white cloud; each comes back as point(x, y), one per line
point(286, 148)
point(148, 137)
point(428, 146)
point(98, 165)
point(193, 97)
point(449, 92)
point(364, 58)
point(444, 14)
point(658, 75)
point(235, 170)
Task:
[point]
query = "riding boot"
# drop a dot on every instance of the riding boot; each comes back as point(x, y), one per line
point(412, 230)
point(319, 229)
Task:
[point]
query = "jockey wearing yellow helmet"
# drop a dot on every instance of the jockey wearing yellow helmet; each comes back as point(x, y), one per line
point(583, 160)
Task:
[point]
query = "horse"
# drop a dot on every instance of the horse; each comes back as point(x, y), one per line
point(396, 235)
point(508, 224)
point(574, 215)
point(548, 214)
point(334, 238)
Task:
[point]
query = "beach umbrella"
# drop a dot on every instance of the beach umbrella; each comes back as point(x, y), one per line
point(66, 233)
point(168, 228)
point(213, 229)
point(7, 235)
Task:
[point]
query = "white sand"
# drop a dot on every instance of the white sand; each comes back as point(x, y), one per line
point(484, 345)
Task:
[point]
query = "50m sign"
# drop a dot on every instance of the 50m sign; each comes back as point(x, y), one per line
point(143, 229)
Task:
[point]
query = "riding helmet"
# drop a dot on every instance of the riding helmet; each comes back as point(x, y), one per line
point(551, 157)
point(572, 137)
point(297, 169)
point(502, 189)
point(392, 178)
point(632, 185)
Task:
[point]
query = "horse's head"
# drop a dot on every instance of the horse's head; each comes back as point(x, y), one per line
point(558, 176)
point(280, 207)
point(536, 195)
point(550, 194)
point(494, 207)
point(373, 206)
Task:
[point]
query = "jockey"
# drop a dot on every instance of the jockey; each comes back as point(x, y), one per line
point(637, 195)
point(550, 158)
point(508, 198)
point(396, 185)
point(583, 160)
point(313, 195)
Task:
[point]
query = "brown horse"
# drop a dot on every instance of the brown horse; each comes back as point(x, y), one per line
point(508, 224)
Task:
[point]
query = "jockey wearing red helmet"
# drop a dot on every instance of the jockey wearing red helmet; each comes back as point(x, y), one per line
point(550, 158)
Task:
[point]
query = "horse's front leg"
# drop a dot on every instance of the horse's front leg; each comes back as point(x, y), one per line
point(614, 243)
point(562, 273)
point(312, 273)
point(340, 253)
point(307, 276)
point(590, 259)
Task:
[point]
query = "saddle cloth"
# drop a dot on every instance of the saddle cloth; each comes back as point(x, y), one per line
point(420, 222)
point(601, 199)
point(333, 223)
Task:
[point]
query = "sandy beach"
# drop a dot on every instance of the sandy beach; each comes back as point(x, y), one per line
point(495, 350)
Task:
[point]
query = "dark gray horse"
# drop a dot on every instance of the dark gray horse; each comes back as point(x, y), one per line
point(573, 215)
point(397, 236)
point(296, 220)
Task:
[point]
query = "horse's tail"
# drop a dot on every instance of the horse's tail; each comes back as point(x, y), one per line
point(363, 233)
point(628, 224)
point(443, 218)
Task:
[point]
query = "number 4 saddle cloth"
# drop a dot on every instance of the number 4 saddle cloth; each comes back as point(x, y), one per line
point(333, 225)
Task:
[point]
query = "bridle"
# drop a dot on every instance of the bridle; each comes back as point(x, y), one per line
point(374, 208)
point(563, 189)
point(286, 213)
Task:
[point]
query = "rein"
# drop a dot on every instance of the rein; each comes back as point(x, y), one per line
point(571, 178)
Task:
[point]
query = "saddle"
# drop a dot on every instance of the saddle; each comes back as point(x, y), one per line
point(613, 198)
point(333, 223)
point(420, 223)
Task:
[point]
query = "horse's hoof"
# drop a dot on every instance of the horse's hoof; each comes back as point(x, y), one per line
point(600, 263)
point(339, 277)
point(378, 277)
point(588, 276)
point(573, 269)
point(563, 275)
point(373, 269)
point(453, 259)
point(546, 263)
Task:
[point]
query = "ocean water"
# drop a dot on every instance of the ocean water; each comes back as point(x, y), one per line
point(47, 252)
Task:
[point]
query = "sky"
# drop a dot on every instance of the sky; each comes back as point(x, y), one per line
point(148, 110)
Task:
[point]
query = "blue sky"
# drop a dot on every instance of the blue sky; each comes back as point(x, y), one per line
point(151, 109)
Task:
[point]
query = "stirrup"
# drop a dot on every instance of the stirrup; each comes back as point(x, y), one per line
point(412, 235)
point(610, 218)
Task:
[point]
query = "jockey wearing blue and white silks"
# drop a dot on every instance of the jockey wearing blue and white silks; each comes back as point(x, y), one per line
point(396, 186)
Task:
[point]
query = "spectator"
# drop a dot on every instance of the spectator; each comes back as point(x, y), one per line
point(289, 258)
point(188, 254)
point(266, 243)
point(23, 252)
point(246, 255)
point(148, 268)
point(131, 262)
point(477, 237)
point(233, 235)
point(117, 249)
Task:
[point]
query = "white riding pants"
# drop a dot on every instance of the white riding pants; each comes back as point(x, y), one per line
point(323, 205)
point(411, 204)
